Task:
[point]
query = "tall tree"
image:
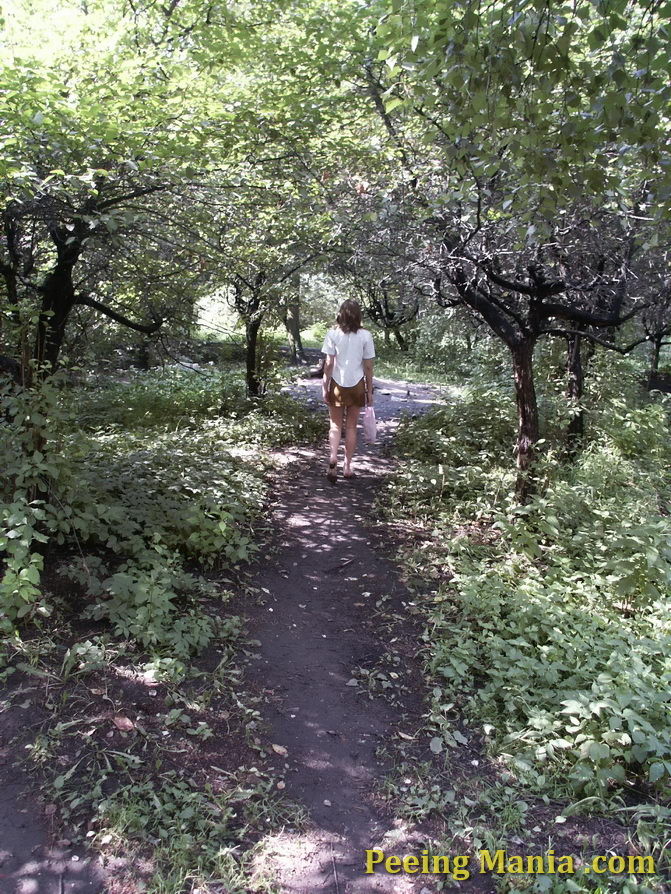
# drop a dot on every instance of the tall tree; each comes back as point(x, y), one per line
point(503, 118)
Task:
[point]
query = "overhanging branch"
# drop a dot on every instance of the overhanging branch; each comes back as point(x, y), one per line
point(626, 349)
point(575, 315)
point(147, 328)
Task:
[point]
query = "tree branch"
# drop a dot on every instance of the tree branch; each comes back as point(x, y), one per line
point(147, 328)
point(374, 88)
point(562, 333)
point(485, 307)
point(135, 194)
point(582, 316)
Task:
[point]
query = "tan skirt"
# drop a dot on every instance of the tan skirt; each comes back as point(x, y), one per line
point(347, 397)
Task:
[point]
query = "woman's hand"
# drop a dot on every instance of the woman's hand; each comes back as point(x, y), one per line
point(325, 392)
point(368, 376)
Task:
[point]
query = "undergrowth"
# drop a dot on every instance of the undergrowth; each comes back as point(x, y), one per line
point(122, 511)
point(548, 624)
point(127, 512)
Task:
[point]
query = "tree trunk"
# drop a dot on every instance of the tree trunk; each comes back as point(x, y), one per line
point(469, 342)
point(143, 359)
point(293, 325)
point(387, 340)
point(251, 342)
point(58, 298)
point(656, 345)
point(402, 343)
point(574, 392)
point(527, 414)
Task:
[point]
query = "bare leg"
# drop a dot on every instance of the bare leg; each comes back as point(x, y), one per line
point(351, 420)
point(335, 427)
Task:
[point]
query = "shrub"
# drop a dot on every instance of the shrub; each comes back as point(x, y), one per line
point(142, 503)
point(552, 629)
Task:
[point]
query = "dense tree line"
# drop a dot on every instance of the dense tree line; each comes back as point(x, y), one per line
point(512, 160)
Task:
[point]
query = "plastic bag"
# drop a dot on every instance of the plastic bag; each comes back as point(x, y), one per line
point(369, 425)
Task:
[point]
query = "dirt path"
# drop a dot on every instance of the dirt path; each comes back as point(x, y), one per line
point(30, 862)
point(320, 621)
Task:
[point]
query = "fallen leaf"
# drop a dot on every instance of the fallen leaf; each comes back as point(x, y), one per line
point(123, 723)
point(279, 749)
point(281, 785)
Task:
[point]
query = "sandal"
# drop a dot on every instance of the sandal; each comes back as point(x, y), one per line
point(332, 474)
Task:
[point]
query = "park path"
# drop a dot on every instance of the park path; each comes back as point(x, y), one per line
point(31, 862)
point(320, 621)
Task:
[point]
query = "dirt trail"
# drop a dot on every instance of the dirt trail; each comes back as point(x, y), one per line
point(318, 623)
point(29, 862)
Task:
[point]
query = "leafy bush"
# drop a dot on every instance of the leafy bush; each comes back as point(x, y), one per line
point(478, 429)
point(142, 503)
point(551, 620)
point(160, 398)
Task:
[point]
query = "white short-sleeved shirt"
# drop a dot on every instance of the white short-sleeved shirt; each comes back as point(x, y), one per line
point(350, 349)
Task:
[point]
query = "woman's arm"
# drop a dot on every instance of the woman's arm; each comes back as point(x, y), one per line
point(326, 381)
point(368, 376)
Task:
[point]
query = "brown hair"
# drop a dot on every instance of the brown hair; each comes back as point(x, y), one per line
point(349, 316)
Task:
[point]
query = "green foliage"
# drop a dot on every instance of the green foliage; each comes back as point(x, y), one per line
point(550, 105)
point(136, 507)
point(29, 474)
point(209, 400)
point(158, 398)
point(196, 832)
point(550, 623)
point(477, 429)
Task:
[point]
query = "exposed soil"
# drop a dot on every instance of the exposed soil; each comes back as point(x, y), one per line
point(332, 589)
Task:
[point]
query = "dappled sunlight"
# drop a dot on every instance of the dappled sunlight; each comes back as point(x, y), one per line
point(318, 859)
point(50, 871)
point(324, 589)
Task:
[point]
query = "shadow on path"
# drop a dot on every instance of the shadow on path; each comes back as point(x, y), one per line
point(48, 869)
point(318, 623)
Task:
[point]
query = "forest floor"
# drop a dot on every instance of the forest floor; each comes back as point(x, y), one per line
point(333, 601)
point(297, 741)
point(334, 604)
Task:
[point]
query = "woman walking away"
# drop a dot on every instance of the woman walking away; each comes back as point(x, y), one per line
point(348, 381)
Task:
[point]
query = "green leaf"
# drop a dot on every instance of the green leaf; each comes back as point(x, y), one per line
point(393, 103)
point(656, 771)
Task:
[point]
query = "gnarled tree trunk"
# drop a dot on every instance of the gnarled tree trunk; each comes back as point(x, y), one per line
point(527, 413)
point(574, 391)
point(58, 299)
point(402, 343)
point(252, 328)
point(292, 322)
point(656, 349)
